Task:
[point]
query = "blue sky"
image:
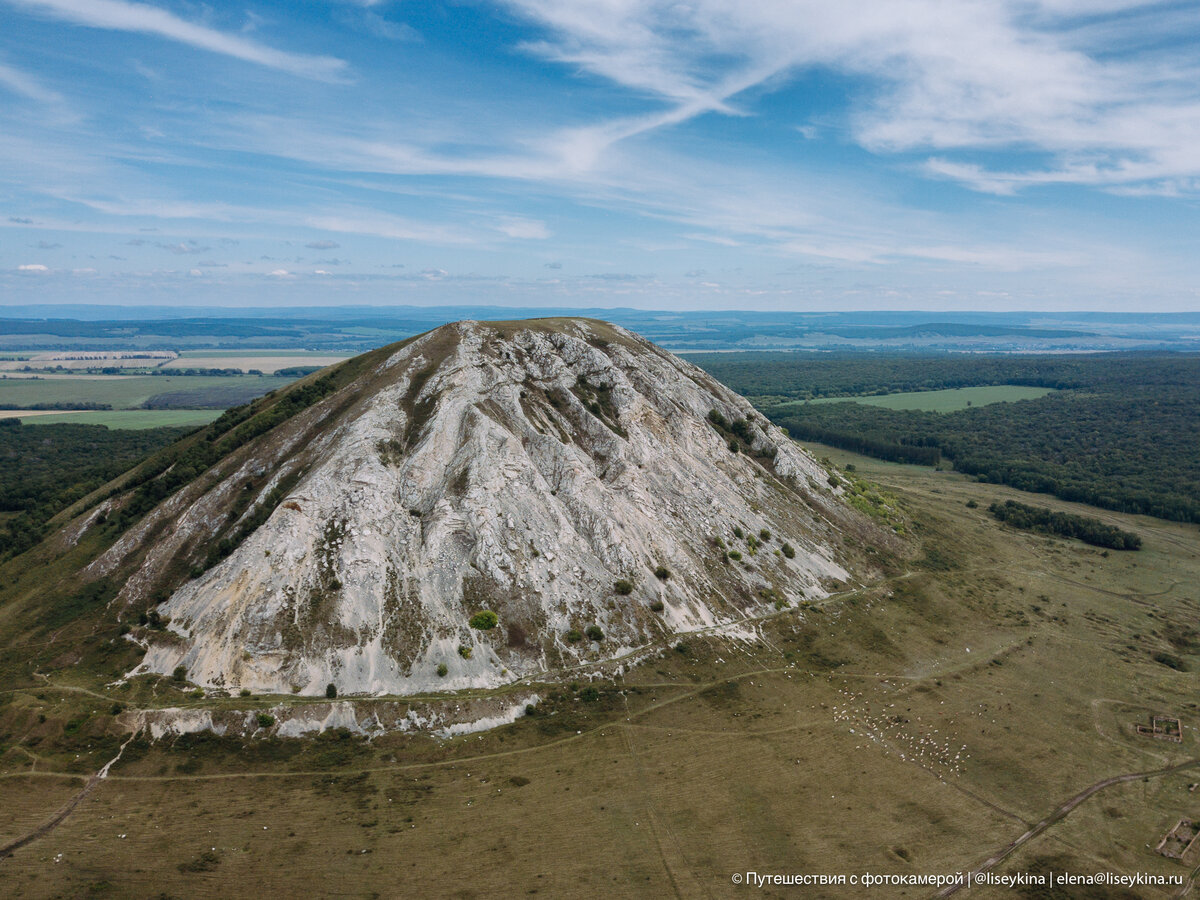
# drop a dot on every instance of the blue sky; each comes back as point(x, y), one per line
point(785, 154)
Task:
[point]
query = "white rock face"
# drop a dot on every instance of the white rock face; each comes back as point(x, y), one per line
point(520, 468)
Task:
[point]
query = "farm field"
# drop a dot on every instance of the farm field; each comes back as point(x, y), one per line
point(117, 418)
point(127, 392)
point(267, 361)
point(84, 359)
point(61, 376)
point(256, 351)
point(919, 724)
point(942, 401)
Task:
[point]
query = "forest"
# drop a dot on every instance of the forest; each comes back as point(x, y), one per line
point(45, 468)
point(775, 377)
point(1121, 432)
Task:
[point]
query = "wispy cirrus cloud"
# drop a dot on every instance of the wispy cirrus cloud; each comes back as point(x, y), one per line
point(379, 224)
point(118, 15)
point(183, 248)
point(1089, 83)
point(948, 79)
point(339, 220)
point(361, 17)
point(26, 86)
point(523, 229)
point(729, 141)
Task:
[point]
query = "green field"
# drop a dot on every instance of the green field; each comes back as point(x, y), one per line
point(122, 418)
point(943, 401)
point(121, 391)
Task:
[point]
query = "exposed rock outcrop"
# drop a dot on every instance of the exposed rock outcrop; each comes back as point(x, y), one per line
point(522, 468)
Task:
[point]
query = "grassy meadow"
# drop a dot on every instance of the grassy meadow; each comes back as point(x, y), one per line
point(126, 391)
point(918, 724)
point(943, 401)
point(118, 418)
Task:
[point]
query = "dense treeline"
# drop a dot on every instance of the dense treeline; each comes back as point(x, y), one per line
point(220, 373)
point(1047, 521)
point(137, 370)
point(880, 448)
point(297, 371)
point(775, 377)
point(1122, 433)
point(45, 468)
point(220, 397)
point(1136, 454)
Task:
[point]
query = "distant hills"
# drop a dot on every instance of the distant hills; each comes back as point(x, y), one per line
point(357, 328)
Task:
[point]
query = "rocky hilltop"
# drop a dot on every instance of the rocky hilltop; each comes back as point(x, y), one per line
point(591, 490)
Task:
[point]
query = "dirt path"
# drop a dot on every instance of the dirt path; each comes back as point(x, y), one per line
point(434, 764)
point(48, 685)
point(1133, 597)
point(1187, 885)
point(59, 817)
point(1159, 757)
point(1057, 816)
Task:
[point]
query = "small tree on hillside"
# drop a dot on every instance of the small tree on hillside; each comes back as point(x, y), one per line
point(484, 620)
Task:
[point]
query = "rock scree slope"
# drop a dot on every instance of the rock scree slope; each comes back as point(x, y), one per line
point(523, 468)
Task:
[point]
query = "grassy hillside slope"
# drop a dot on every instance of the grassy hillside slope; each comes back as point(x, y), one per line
point(919, 724)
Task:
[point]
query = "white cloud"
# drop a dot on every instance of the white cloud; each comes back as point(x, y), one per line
point(156, 208)
point(721, 239)
point(117, 15)
point(372, 23)
point(32, 267)
point(341, 220)
point(26, 86)
point(1099, 95)
point(184, 247)
point(329, 143)
point(941, 83)
point(524, 229)
point(931, 76)
point(370, 222)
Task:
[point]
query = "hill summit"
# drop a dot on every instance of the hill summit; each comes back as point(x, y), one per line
point(483, 502)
